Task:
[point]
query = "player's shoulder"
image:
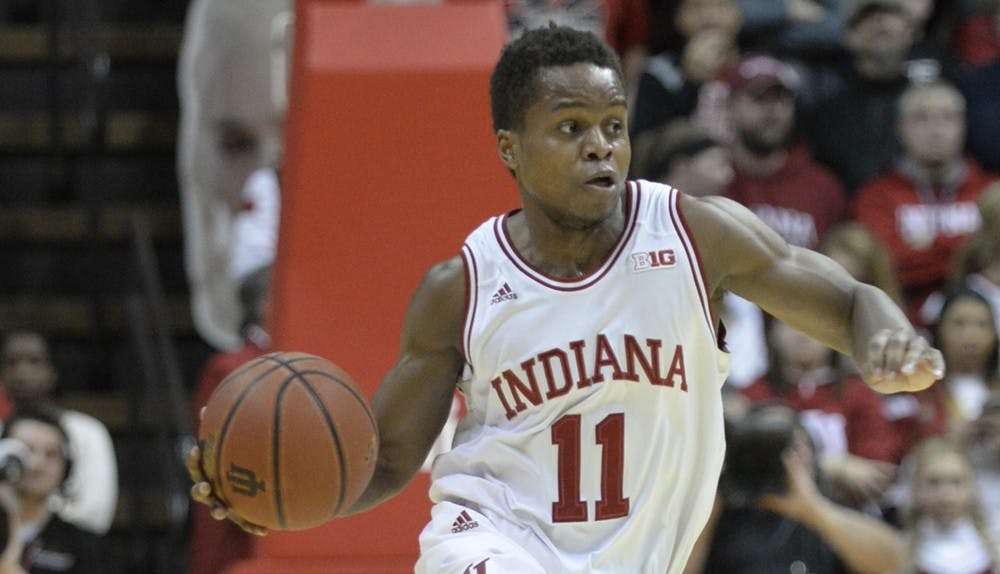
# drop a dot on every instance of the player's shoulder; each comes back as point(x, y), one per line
point(712, 208)
point(444, 283)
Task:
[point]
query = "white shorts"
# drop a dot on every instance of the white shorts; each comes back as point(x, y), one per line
point(459, 540)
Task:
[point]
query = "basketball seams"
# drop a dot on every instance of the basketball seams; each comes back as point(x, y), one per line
point(224, 429)
point(276, 447)
point(331, 426)
point(256, 363)
point(354, 393)
point(334, 434)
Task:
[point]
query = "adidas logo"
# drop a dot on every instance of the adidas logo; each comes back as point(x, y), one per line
point(504, 294)
point(463, 522)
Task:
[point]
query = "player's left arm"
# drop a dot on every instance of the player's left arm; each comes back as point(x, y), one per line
point(810, 292)
point(414, 399)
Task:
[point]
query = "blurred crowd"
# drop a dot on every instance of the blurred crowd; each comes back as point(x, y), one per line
point(864, 129)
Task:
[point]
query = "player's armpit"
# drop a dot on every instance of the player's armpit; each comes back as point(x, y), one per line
point(412, 403)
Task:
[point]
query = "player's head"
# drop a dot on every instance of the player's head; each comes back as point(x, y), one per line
point(26, 369)
point(514, 84)
point(49, 465)
point(561, 115)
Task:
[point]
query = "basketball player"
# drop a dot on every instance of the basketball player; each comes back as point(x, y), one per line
point(582, 330)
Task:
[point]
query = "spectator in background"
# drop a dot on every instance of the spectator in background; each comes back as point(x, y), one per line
point(233, 99)
point(850, 103)
point(981, 85)
point(946, 525)
point(772, 516)
point(29, 380)
point(854, 443)
point(701, 41)
point(214, 544)
point(977, 36)
point(966, 334)
point(775, 178)
point(860, 253)
point(924, 208)
point(981, 441)
point(803, 30)
point(683, 154)
point(977, 266)
point(39, 541)
point(623, 24)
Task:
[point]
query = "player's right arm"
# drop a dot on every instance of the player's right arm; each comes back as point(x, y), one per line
point(414, 400)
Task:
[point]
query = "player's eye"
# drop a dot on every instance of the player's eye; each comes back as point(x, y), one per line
point(569, 127)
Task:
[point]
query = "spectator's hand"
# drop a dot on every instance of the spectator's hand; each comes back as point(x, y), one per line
point(705, 54)
point(901, 361)
point(804, 11)
point(202, 492)
point(10, 560)
point(802, 493)
point(857, 478)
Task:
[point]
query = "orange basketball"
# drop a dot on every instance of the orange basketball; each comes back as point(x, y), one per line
point(288, 441)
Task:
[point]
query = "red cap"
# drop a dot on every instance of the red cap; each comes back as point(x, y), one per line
point(759, 72)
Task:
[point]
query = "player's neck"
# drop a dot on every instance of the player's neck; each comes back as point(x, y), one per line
point(560, 250)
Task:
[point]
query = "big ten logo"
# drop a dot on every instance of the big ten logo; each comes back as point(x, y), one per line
point(649, 260)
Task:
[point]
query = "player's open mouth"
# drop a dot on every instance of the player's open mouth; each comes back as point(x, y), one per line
point(605, 181)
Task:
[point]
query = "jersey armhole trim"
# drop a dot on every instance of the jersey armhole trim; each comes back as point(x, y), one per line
point(471, 298)
point(697, 269)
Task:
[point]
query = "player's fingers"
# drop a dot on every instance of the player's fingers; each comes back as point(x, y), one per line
point(935, 360)
point(875, 359)
point(246, 526)
point(202, 492)
point(194, 465)
point(895, 351)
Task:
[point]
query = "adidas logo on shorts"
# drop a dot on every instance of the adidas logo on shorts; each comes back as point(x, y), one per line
point(463, 522)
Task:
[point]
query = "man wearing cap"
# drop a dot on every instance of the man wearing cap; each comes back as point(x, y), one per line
point(777, 180)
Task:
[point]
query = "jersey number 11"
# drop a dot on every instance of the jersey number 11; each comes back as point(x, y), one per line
point(610, 434)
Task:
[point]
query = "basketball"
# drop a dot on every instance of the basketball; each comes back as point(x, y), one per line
point(288, 441)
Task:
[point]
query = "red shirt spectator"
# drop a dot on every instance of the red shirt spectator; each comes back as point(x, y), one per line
point(837, 414)
point(801, 200)
point(922, 226)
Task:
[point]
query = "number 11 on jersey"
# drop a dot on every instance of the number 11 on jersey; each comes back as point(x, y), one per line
point(610, 435)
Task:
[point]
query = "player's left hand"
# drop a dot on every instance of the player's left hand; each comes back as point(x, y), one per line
point(901, 360)
point(202, 493)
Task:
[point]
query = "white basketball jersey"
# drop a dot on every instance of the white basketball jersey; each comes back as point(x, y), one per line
point(594, 433)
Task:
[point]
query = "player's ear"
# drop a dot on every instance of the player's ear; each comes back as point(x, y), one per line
point(506, 148)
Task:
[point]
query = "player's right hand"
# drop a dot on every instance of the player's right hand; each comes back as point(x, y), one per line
point(202, 492)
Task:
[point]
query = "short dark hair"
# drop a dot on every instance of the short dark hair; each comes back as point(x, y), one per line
point(513, 84)
point(50, 417)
